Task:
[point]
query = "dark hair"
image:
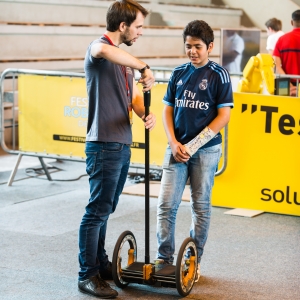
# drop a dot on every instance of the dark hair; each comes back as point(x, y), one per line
point(123, 11)
point(274, 23)
point(199, 29)
point(296, 15)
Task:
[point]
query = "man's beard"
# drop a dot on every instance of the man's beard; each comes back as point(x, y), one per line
point(125, 38)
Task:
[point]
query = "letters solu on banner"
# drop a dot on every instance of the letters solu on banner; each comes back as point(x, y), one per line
point(263, 139)
point(280, 196)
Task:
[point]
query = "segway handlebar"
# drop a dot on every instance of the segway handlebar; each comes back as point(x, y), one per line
point(147, 100)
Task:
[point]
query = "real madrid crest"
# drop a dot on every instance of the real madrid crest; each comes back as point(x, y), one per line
point(203, 84)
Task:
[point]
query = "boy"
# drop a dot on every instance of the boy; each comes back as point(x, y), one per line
point(274, 33)
point(198, 100)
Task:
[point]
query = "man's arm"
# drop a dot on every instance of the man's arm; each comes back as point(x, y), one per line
point(120, 57)
point(139, 108)
point(279, 70)
point(178, 150)
point(278, 66)
point(116, 55)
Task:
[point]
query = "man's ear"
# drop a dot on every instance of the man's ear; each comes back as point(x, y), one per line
point(122, 27)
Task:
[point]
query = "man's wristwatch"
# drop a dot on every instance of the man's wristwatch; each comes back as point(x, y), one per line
point(144, 69)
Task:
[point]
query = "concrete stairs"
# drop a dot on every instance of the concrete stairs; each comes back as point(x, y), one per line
point(55, 34)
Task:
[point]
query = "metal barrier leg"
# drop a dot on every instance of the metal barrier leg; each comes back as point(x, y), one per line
point(45, 168)
point(14, 171)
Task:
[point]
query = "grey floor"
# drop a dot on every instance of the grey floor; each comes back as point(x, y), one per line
point(245, 258)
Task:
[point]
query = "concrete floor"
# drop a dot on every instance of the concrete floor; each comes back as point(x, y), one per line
point(245, 258)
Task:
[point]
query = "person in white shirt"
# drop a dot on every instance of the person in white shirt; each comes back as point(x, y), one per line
point(274, 33)
point(233, 47)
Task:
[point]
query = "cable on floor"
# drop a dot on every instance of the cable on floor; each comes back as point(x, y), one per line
point(37, 172)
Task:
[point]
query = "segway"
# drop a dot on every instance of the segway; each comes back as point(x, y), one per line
point(125, 267)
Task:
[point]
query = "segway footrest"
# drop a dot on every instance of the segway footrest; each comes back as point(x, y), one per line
point(165, 270)
point(136, 267)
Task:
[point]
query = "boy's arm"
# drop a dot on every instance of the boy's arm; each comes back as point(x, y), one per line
point(178, 150)
point(210, 131)
point(221, 120)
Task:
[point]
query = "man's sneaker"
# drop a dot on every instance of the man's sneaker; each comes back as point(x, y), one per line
point(198, 273)
point(106, 274)
point(96, 286)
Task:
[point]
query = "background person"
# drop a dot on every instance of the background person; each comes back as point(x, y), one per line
point(233, 48)
point(287, 52)
point(274, 33)
point(198, 99)
point(112, 95)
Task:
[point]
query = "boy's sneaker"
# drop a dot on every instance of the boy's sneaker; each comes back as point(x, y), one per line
point(198, 273)
point(160, 263)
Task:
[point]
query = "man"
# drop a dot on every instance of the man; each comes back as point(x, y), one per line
point(113, 95)
point(287, 52)
point(198, 100)
point(274, 33)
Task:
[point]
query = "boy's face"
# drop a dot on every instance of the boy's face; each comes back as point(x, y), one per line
point(197, 51)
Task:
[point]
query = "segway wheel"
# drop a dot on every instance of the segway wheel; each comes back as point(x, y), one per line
point(186, 267)
point(125, 253)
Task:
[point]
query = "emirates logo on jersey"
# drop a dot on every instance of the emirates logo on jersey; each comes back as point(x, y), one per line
point(203, 84)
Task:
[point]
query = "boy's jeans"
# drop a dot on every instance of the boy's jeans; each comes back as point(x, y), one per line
point(201, 169)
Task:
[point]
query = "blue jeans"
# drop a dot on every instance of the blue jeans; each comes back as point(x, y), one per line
point(107, 165)
point(201, 169)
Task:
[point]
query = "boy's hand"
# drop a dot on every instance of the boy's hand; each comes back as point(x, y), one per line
point(179, 153)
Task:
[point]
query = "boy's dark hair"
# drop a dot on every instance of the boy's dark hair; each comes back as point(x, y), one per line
point(123, 11)
point(296, 16)
point(274, 23)
point(200, 30)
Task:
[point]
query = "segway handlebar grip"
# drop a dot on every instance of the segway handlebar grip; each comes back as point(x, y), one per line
point(147, 99)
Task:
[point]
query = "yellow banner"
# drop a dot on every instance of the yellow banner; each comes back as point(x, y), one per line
point(263, 141)
point(158, 139)
point(52, 115)
point(263, 158)
point(53, 118)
